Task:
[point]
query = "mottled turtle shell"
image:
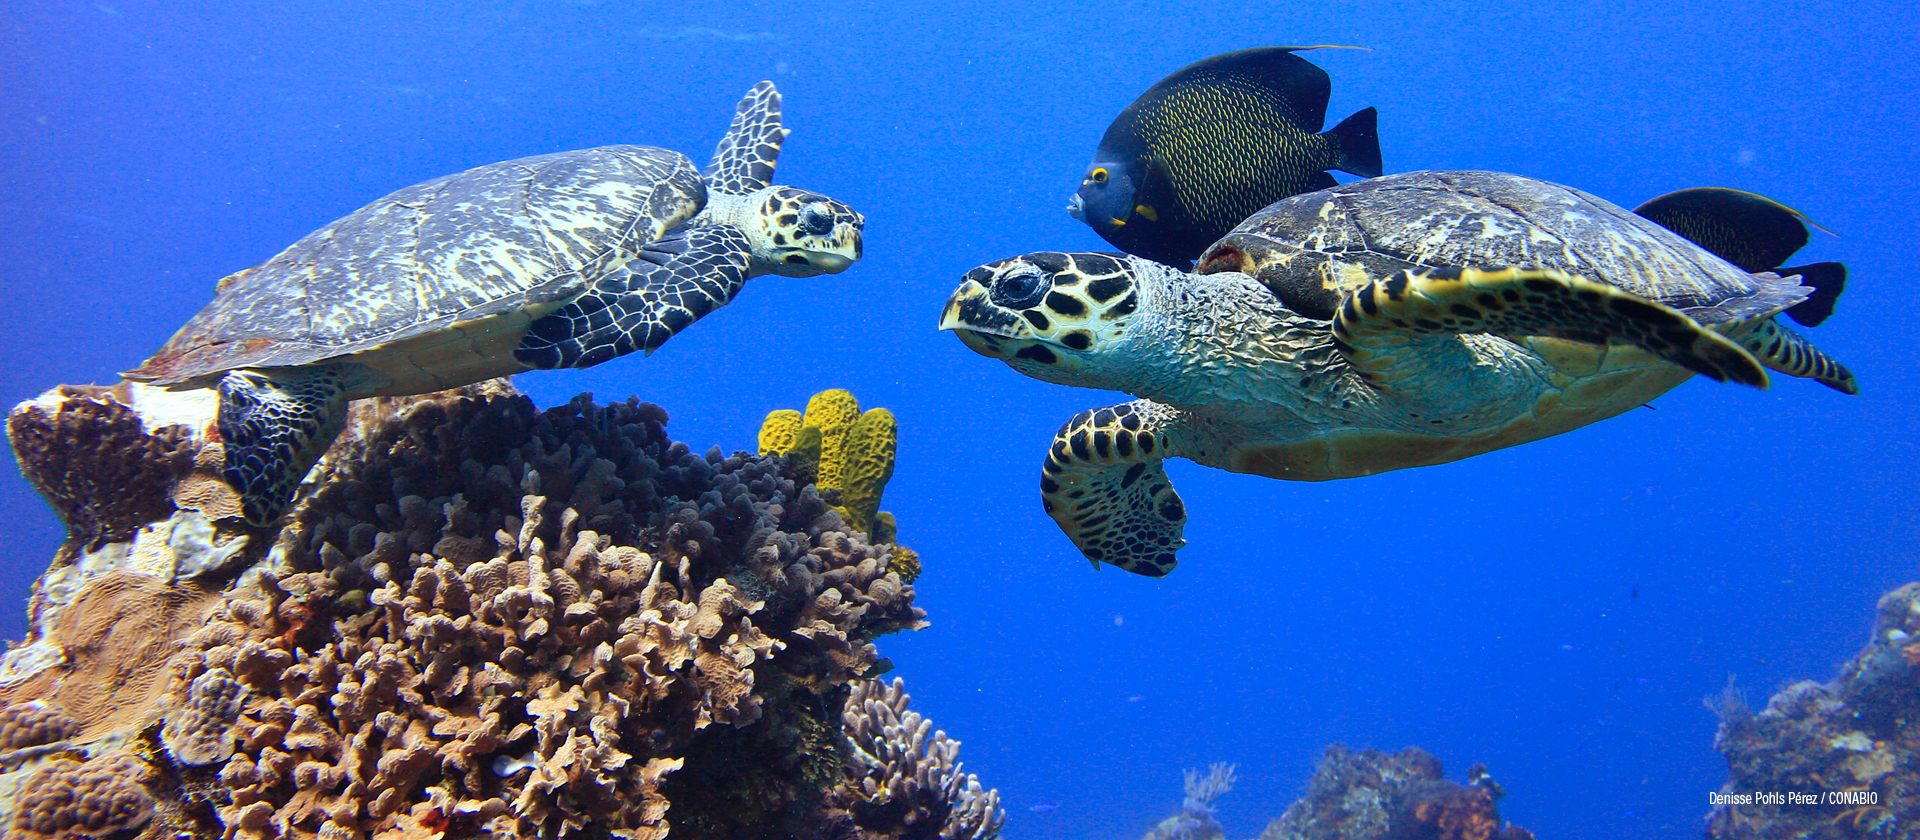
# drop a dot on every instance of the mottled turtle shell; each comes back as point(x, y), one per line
point(1316, 246)
point(482, 252)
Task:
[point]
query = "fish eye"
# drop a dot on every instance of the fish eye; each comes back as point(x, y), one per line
point(1099, 176)
point(1021, 289)
point(815, 220)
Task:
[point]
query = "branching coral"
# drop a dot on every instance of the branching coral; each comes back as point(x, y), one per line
point(1195, 819)
point(1858, 733)
point(905, 780)
point(522, 623)
point(849, 453)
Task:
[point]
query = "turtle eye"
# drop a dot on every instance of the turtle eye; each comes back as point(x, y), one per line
point(1099, 176)
point(816, 220)
point(1022, 288)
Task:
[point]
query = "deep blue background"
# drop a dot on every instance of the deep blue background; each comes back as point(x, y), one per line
point(1482, 610)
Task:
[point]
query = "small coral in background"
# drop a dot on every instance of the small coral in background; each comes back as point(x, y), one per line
point(1365, 795)
point(1853, 744)
point(1195, 820)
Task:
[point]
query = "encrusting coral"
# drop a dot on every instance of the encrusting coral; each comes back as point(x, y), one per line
point(479, 618)
point(1850, 747)
point(850, 453)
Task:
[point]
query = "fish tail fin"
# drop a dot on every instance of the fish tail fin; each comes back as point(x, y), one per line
point(1828, 280)
point(1358, 140)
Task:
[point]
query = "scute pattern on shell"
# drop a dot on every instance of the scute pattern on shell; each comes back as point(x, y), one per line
point(489, 240)
point(1493, 220)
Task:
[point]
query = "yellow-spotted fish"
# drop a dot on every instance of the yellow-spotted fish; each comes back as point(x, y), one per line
point(1755, 233)
point(1211, 144)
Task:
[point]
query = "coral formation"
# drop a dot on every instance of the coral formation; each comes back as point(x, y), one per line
point(1195, 821)
point(1370, 795)
point(903, 778)
point(93, 798)
point(91, 456)
point(1851, 746)
point(477, 618)
point(850, 454)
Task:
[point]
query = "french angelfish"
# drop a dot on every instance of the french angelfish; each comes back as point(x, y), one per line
point(1211, 144)
point(1755, 233)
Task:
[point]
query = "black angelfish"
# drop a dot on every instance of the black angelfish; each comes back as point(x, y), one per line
point(1755, 233)
point(1211, 144)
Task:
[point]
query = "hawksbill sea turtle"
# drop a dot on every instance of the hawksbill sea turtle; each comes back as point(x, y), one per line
point(1388, 323)
point(559, 260)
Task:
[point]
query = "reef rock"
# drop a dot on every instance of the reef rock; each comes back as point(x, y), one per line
point(477, 618)
point(1370, 795)
point(1838, 759)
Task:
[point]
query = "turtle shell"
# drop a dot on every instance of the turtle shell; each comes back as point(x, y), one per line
point(1311, 248)
point(483, 251)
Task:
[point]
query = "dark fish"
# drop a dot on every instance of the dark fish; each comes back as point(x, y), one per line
point(1211, 144)
point(1755, 233)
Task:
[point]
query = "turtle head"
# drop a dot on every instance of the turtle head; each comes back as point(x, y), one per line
point(1105, 197)
point(797, 233)
point(1062, 318)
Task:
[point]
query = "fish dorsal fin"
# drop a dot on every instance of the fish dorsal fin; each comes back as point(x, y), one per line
point(1749, 230)
point(1302, 85)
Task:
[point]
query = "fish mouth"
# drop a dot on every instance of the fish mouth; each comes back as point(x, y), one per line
point(1077, 207)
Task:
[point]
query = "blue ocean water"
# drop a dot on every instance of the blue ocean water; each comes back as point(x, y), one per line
point(1555, 611)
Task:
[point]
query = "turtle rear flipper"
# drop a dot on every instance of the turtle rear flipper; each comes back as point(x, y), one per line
point(1373, 322)
point(672, 283)
point(745, 158)
point(1105, 486)
point(274, 425)
point(1780, 348)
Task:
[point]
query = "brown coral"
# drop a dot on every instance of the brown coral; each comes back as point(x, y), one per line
point(88, 454)
point(34, 723)
point(532, 620)
point(200, 731)
point(905, 780)
point(69, 798)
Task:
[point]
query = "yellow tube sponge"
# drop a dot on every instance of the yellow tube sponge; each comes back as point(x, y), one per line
point(865, 465)
point(834, 412)
point(780, 432)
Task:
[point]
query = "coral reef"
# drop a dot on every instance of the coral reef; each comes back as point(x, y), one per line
point(476, 618)
point(1830, 760)
point(903, 778)
point(1367, 795)
point(848, 452)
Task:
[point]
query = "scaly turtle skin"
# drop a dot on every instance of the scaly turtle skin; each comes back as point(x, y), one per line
point(560, 260)
point(1390, 323)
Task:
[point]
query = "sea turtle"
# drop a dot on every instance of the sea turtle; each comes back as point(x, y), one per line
point(558, 260)
point(1388, 323)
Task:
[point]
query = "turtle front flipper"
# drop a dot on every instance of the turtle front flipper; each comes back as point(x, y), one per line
point(1104, 484)
point(274, 425)
point(744, 160)
point(1371, 327)
point(640, 304)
